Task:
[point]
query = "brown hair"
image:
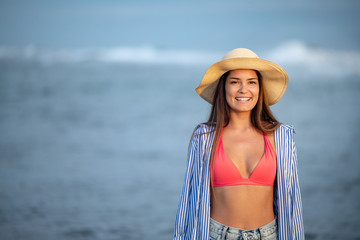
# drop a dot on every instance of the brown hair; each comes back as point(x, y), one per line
point(261, 115)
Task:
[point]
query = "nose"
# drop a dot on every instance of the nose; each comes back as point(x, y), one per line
point(242, 88)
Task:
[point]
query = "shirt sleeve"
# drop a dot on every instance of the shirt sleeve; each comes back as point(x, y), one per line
point(183, 216)
point(296, 210)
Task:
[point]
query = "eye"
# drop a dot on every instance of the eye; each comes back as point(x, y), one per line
point(233, 82)
point(253, 82)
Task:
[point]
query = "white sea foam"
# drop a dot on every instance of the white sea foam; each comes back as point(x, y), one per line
point(143, 55)
point(294, 56)
point(303, 59)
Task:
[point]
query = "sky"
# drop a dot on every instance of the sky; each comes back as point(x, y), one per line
point(193, 25)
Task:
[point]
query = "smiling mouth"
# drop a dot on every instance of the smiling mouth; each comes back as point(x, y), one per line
point(242, 99)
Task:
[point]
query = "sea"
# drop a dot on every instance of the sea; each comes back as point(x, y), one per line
point(93, 143)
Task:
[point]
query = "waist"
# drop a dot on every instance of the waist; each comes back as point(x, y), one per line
point(242, 206)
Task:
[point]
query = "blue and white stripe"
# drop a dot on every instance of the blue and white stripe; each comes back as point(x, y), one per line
point(193, 215)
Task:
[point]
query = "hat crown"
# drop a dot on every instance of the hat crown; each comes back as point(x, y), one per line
point(240, 53)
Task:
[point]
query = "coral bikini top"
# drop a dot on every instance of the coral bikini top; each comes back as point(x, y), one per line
point(226, 173)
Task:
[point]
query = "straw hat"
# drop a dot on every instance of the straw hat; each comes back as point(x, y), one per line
point(275, 79)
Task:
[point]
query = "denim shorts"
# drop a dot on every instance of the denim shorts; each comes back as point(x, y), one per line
point(219, 231)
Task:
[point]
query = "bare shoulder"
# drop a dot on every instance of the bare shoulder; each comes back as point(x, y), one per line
point(271, 136)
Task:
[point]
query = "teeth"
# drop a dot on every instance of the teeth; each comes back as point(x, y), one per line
point(242, 99)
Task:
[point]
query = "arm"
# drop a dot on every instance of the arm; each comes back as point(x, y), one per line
point(296, 213)
point(184, 208)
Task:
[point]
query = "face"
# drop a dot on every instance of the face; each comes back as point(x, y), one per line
point(242, 90)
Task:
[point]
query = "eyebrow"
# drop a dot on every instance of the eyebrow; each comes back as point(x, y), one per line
point(254, 78)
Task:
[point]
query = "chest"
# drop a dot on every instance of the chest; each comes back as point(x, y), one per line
point(245, 152)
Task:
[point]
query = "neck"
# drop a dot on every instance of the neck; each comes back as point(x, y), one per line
point(240, 121)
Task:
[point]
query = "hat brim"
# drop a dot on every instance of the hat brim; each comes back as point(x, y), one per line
point(274, 77)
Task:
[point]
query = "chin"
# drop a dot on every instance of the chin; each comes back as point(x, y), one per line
point(242, 110)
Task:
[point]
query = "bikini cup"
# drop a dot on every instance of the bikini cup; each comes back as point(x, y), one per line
point(226, 173)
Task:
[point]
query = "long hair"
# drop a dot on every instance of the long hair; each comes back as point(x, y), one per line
point(261, 115)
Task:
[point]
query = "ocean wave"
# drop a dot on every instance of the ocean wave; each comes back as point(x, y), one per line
point(303, 59)
point(294, 56)
point(142, 55)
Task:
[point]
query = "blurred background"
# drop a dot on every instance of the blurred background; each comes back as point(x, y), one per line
point(97, 105)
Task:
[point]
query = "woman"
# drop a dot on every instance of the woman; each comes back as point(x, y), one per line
point(241, 180)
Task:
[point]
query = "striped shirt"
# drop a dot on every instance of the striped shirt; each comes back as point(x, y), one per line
point(193, 215)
